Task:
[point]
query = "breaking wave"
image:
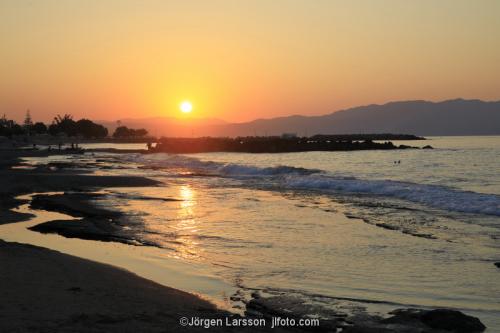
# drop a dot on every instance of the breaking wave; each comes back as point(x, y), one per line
point(215, 168)
point(436, 196)
point(289, 177)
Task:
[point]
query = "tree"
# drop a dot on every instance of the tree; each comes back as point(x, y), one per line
point(121, 132)
point(125, 132)
point(140, 132)
point(63, 124)
point(39, 128)
point(17, 129)
point(28, 123)
point(53, 129)
point(9, 127)
point(89, 129)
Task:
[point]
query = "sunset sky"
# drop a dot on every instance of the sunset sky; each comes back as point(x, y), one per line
point(241, 60)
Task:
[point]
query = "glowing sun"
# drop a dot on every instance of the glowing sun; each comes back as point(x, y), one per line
point(186, 106)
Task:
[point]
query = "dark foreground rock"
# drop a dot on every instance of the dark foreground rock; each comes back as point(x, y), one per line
point(15, 182)
point(7, 202)
point(91, 222)
point(9, 216)
point(497, 264)
point(294, 308)
point(87, 228)
point(73, 203)
point(351, 317)
point(438, 319)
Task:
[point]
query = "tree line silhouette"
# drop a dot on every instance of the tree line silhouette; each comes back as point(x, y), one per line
point(65, 125)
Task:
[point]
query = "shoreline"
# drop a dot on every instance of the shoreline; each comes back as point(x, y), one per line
point(49, 290)
point(23, 182)
point(53, 291)
point(147, 261)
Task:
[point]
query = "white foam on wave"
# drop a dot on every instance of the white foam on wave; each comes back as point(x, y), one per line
point(436, 196)
point(441, 197)
point(225, 169)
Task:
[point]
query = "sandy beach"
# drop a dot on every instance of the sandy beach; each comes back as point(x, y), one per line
point(47, 291)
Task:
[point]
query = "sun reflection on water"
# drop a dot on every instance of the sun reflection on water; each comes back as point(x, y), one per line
point(187, 224)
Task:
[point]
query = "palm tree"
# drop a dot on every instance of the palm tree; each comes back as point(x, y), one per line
point(64, 124)
point(58, 120)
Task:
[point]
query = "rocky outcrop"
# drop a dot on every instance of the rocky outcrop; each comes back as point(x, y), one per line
point(359, 321)
point(438, 319)
point(267, 145)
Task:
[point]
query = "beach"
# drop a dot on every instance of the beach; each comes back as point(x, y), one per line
point(48, 291)
point(62, 202)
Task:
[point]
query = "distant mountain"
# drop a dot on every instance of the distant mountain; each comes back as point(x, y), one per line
point(452, 117)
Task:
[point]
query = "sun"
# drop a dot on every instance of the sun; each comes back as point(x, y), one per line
point(186, 107)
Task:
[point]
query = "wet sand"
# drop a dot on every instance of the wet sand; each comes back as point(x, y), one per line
point(47, 291)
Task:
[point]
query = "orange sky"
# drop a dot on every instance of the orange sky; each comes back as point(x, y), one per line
point(239, 60)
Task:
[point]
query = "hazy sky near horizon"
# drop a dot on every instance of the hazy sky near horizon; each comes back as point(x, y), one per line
point(239, 60)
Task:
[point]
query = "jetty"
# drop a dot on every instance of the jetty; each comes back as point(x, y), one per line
point(271, 144)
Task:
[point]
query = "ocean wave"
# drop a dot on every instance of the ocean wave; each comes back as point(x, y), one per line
point(436, 196)
point(289, 177)
point(238, 169)
point(221, 169)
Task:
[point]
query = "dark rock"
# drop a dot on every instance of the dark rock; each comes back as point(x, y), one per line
point(75, 204)
point(427, 147)
point(87, 228)
point(440, 319)
point(13, 217)
point(353, 318)
point(497, 264)
point(269, 144)
point(452, 320)
point(387, 226)
point(7, 202)
point(255, 294)
point(294, 308)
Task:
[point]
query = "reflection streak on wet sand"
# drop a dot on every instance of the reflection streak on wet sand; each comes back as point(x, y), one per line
point(149, 262)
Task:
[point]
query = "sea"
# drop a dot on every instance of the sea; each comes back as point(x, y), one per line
point(383, 229)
